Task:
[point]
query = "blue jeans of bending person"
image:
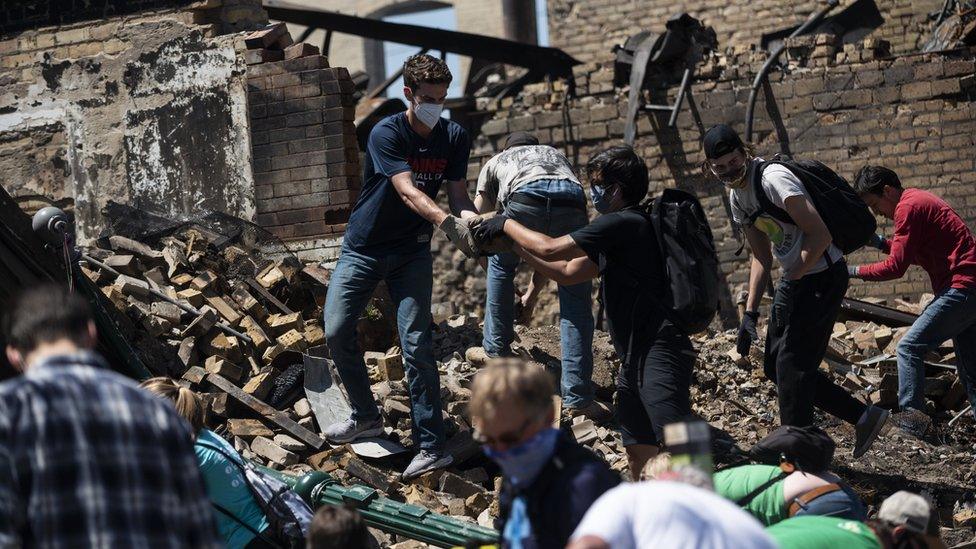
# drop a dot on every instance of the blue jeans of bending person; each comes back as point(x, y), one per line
point(951, 315)
point(555, 208)
point(843, 503)
point(409, 277)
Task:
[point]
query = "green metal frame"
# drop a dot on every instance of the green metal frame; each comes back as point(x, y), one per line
point(412, 521)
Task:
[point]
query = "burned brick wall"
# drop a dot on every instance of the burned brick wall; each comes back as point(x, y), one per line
point(148, 109)
point(587, 29)
point(913, 113)
point(306, 158)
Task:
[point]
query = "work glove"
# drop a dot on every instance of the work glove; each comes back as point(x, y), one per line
point(490, 228)
point(783, 303)
point(459, 234)
point(853, 271)
point(876, 241)
point(747, 332)
point(500, 244)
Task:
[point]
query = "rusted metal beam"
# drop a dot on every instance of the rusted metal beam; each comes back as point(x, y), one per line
point(543, 60)
point(862, 310)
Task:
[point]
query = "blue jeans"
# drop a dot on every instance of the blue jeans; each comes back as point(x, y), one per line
point(840, 504)
point(951, 315)
point(575, 309)
point(409, 278)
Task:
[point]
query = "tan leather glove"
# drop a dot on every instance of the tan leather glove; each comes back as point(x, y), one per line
point(459, 234)
point(497, 245)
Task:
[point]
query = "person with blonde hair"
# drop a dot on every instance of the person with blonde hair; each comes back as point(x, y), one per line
point(240, 520)
point(549, 481)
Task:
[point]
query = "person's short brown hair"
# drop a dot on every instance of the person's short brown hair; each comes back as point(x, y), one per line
point(45, 314)
point(338, 528)
point(186, 402)
point(511, 382)
point(422, 68)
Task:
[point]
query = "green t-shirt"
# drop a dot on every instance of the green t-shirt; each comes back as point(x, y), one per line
point(769, 506)
point(813, 532)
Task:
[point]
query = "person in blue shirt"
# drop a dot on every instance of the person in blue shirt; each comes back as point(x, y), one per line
point(240, 520)
point(408, 157)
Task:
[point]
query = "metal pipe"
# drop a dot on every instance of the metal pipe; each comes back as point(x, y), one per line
point(681, 97)
point(412, 521)
point(814, 20)
point(187, 308)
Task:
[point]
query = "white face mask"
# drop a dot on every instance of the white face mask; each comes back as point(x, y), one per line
point(428, 113)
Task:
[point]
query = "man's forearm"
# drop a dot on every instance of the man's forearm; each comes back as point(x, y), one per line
point(563, 272)
point(535, 243)
point(757, 284)
point(423, 206)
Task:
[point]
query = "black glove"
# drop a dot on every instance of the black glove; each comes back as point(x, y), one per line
point(876, 241)
point(783, 303)
point(489, 229)
point(747, 332)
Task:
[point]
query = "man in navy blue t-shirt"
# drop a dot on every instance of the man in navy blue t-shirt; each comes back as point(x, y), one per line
point(408, 156)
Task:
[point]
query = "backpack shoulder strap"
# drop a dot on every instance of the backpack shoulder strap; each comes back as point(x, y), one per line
point(215, 449)
point(747, 499)
point(765, 204)
point(223, 510)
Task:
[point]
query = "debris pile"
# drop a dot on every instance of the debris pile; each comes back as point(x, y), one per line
point(237, 328)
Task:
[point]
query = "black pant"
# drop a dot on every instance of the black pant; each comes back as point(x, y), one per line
point(654, 388)
point(793, 356)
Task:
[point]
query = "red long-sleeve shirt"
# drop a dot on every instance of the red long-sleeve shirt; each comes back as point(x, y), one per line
point(930, 234)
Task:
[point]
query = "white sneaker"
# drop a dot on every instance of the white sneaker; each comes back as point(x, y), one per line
point(426, 461)
point(351, 429)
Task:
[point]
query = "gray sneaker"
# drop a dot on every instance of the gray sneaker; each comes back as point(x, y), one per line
point(351, 429)
point(426, 461)
point(868, 429)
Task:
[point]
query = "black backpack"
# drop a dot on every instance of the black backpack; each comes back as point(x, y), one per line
point(808, 448)
point(690, 260)
point(846, 216)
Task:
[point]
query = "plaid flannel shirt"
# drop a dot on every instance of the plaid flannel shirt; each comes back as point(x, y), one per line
point(88, 459)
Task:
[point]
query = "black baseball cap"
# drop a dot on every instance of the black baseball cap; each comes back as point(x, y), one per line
point(720, 140)
point(516, 139)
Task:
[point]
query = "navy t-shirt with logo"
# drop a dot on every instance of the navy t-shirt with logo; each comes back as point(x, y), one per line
point(381, 222)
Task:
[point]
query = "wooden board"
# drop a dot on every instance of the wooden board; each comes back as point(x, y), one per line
point(273, 415)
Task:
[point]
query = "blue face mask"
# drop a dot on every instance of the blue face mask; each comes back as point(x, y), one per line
point(601, 198)
point(522, 463)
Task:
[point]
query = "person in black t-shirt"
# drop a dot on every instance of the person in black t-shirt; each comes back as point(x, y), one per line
point(620, 248)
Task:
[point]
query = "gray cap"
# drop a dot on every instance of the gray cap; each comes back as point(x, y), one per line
point(908, 509)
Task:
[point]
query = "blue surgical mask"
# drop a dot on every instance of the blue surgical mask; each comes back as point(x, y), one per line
point(521, 464)
point(601, 198)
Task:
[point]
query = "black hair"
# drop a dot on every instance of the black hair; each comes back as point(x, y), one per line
point(45, 314)
point(338, 527)
point(620, 165)
point(872, 179)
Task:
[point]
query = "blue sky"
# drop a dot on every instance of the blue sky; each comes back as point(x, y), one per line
point(442, 18)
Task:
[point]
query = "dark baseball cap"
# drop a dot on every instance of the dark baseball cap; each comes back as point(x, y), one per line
point(516, 139)
point(720, 140)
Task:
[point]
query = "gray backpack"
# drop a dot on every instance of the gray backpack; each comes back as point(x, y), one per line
point(286, 511)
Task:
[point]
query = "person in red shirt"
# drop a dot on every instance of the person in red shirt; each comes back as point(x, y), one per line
point(930, 234)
